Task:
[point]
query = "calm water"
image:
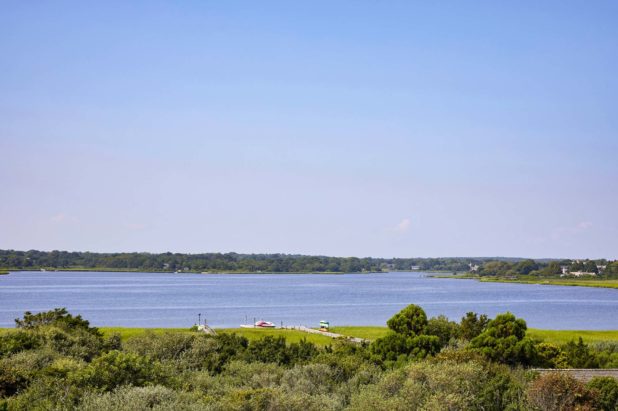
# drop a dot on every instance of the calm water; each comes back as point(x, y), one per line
point(174, 300)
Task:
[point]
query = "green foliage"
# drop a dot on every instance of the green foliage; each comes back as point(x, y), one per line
point(472, 325)
point(553, 269)
point(525, 267)
point(579, 355)
point(77, 343)
point(606, 392)
point(504, 340)
point(400, 348)
point(276, 350)
point(50, 366)
point(130, 398)
point(13, 342)
point(116, 368)
point(217, 262)
point(611, 270)
point(442, 386)
point(550, 356)
point(410, 321)
point(58, 317)
point(444, 329)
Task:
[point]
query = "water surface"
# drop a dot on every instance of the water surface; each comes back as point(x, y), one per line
point(226, 300)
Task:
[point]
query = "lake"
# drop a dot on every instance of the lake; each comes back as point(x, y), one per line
point(227, 300)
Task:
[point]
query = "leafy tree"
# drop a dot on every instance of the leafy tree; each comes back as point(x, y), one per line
point(504, 340)
point(390, 348)
point(58, 317)
point(579, 355)
point(442, 328)
point(410, 321)
point(472, 325)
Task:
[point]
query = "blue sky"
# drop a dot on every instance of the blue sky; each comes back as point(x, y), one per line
point(337, 128)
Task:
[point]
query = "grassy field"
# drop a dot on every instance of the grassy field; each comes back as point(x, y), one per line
point(249, 333)
point(555, 281)
point(290, 335)
point(368, 333)
point(555, 336)
point(563, 336)
point(126, 333)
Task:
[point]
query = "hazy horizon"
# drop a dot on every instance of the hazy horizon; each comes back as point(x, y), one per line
point(349, 129)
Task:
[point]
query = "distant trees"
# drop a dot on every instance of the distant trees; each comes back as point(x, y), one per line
point(227, 262)
point(500, 268)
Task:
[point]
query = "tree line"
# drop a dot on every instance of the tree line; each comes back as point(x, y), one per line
point(222, 262)
point(529, 267)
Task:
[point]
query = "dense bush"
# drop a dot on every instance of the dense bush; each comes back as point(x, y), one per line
point(504, 340)
point(606, 391)
point(407, 340)
point(560, 391)
point(420, 365)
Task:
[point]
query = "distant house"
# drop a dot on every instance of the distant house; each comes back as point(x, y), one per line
point(473, 267)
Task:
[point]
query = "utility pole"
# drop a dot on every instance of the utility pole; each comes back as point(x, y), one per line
point(199, 319)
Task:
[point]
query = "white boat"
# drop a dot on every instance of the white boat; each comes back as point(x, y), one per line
point(259, 324)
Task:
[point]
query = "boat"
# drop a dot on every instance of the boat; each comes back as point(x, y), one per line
point(259, 324)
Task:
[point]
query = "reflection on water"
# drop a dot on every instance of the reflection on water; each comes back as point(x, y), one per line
point(173, 300)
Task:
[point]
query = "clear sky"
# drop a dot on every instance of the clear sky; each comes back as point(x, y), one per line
point(360, 128)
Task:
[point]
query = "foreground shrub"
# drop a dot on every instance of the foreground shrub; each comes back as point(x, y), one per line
point(309, 379)
point(560, 391)
point(17, 341)
point(116, 368)
point(76, 343)
point(129, 398)
point(18, 370)
point(442, 386)
point(606, 391)
point(59, 317)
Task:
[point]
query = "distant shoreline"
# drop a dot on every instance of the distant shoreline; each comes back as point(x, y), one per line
point(568, 282)
point(121, 270)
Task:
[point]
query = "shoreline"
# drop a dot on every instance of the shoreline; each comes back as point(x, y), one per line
point(118, 270)
point(570, 282)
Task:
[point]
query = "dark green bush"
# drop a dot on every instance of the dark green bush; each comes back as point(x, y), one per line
point(606, 390)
